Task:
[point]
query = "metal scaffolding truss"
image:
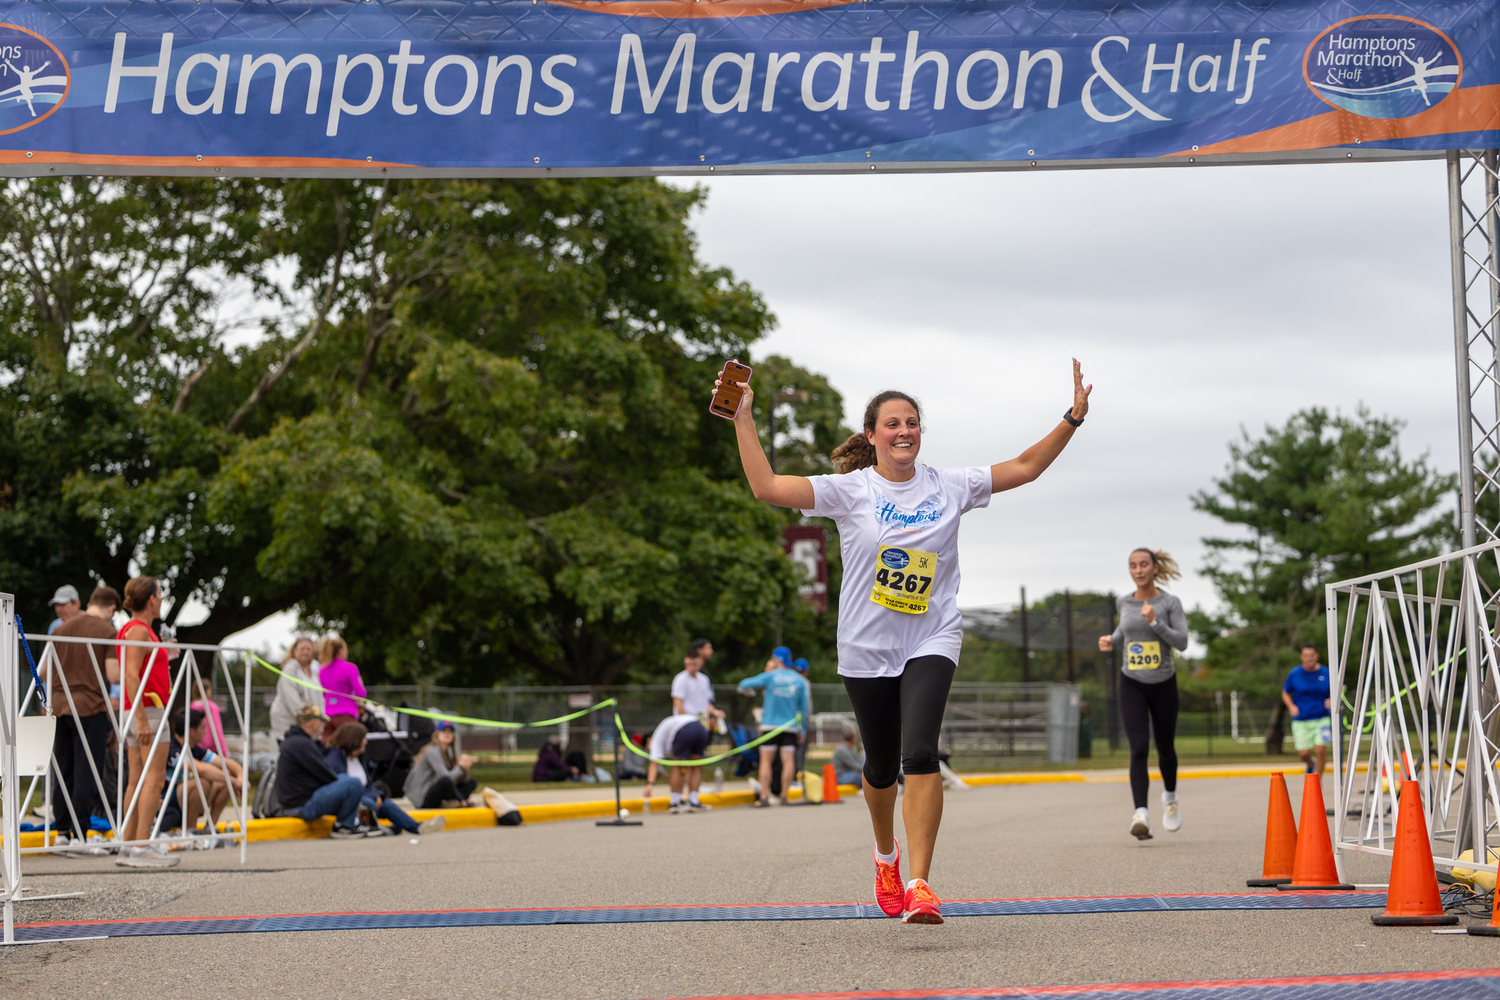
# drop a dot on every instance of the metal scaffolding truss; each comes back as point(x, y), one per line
point(1473, 190)
point(1419, 643)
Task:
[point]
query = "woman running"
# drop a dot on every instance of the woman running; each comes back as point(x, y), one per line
point(899, 629)
point(1152, 624)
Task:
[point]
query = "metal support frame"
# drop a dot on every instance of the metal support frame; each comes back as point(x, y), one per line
point(1473, 190)
point(1419, 644)
point(187, 685)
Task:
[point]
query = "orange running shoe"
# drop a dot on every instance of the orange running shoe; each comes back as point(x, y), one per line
point(888, 891)
point(922, 906)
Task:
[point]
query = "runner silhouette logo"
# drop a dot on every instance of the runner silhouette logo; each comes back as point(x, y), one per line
point(1382, 66)
point(34, 78)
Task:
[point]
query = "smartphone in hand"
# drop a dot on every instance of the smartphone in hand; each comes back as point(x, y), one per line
point(727, 398)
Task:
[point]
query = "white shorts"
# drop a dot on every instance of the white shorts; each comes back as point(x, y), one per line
point(153, 715)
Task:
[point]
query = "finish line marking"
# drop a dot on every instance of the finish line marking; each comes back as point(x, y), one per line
point(1459, 984)
point(418, 919)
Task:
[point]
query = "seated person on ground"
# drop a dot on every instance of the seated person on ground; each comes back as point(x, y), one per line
point(440, 774)
point(343, 755)
point(679, 737)
point(205, 778)
point(307, 787)
point(848, 762)
point(550, 765)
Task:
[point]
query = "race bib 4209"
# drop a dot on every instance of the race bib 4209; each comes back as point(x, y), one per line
point(904, 578)
point(1142, 655)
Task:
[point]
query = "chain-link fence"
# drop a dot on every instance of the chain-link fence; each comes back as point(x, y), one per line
point(986, 724)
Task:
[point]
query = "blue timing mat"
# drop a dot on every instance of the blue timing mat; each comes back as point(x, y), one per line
point(1468, 984)
point(416, 919)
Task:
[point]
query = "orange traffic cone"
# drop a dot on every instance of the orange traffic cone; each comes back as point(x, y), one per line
point(1314, 867)
point(1281, 838)
point(830, 784)
point(1413, 896)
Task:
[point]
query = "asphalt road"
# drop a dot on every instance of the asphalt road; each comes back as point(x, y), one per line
point(1014, 841)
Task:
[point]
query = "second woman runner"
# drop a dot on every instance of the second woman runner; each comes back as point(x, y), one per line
point(899, 629)
point(1152, 624)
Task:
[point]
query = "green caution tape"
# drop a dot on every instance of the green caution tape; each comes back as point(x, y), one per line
point(700, 761)
point(441, 716)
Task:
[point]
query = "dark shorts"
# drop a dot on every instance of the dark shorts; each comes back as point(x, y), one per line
point(782, 739)
point(690, 741)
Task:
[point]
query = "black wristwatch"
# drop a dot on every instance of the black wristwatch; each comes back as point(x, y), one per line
point(1068, 416)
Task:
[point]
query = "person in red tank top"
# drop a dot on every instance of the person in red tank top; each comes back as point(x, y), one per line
point(145, 689)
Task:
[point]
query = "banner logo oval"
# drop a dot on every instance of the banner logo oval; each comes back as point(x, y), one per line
point(1382, 66)
point(34, 78)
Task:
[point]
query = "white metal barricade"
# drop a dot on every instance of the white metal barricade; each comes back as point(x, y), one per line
point(193, 671)
point(1419, 644)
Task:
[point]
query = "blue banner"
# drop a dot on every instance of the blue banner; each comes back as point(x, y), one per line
point(640, 86)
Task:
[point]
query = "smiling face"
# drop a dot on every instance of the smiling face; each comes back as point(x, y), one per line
point(897, 436)
point(1142, 568)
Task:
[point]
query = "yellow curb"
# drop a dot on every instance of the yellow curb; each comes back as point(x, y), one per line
point(1021, 779)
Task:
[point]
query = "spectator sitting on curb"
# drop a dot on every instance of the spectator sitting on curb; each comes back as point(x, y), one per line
point(207, 778)
point(550, 765)
point(848, 762)
point(440, 775)
point(307, 787)
point(344, 752)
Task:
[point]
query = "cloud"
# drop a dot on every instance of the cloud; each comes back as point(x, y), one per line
point(1199, 300)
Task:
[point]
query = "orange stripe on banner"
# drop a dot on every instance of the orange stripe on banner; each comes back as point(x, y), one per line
point(1475, 109)
point(698, 8)
point(17, 156)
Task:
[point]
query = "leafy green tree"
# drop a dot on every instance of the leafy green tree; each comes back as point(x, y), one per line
point(472, 432)
point(1321, 499)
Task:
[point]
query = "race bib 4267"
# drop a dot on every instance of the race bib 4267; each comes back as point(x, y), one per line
point(904, 579)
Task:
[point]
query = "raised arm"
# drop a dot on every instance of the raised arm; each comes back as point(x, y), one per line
point(1032, 462)
point(783, 491)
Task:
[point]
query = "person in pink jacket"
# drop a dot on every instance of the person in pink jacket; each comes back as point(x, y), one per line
point(341, 683)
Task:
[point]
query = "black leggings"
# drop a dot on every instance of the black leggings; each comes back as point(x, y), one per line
point(446, 788)
point(1156, 705)
point(900, 718)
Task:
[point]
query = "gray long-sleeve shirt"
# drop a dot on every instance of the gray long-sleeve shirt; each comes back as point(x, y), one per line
point(1146, 649)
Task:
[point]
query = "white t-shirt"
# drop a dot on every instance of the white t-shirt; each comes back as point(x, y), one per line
point(899, 541)
point(356, 768)
point(696, 691)
point(661, 740)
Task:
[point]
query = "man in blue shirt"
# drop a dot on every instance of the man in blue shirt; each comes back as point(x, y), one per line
point(788, 700)
point(1308, 699)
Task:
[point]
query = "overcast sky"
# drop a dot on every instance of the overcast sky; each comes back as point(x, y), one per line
point(1199, 301)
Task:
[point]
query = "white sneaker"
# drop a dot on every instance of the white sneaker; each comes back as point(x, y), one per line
point(1140, 825)
point(1171, 817)
point(432, 825)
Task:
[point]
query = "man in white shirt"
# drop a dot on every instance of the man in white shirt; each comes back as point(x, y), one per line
point(692, 691)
